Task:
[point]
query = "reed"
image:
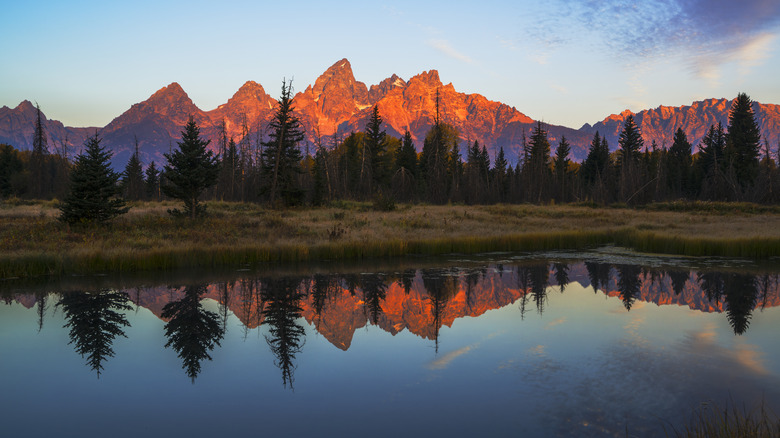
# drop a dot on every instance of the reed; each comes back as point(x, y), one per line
point(33, 242)
point(711, 421)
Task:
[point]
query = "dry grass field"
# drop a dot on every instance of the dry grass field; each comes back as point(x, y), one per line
point(33, 242)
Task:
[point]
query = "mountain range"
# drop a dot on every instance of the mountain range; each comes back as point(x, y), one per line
point(337, 104)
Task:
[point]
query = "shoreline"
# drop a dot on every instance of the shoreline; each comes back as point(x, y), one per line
point(33, 243)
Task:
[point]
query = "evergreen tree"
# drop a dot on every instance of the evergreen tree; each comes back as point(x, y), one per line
point(407, 155)
point(377, 149)
point(152, 182)
point(561, 164)
point(712, 150)
point(39, 177)
point(229, 165)
point(628, 159)
point(712, 164)
point(281, 156)
point(133, 177)
point(500, 175)
point(477, 169)
point(537, 169)
point(10, 170)
point(319, 171)
point(405, 173)
point(596, 170)
point(191, 169)
point(93, 187)
point(435, 159)
point(455, 171)
point(743, 140)
point(678, 165)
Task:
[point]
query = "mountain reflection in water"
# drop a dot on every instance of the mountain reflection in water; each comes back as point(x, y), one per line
point(600, 346)
point(419, 301)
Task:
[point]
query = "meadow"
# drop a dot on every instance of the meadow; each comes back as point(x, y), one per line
point(33, 242)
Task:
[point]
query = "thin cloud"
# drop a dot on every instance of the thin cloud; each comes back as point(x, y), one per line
point(707, 33)
point(444, 47)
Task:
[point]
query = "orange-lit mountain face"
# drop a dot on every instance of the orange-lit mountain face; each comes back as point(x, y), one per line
point(337, 104)
point(661, 123)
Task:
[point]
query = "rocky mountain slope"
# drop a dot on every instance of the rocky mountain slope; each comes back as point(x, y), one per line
point(337, 104)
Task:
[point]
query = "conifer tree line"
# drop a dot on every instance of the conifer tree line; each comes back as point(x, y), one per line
point(277, 168)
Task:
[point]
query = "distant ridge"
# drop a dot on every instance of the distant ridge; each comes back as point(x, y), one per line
point(337, 104)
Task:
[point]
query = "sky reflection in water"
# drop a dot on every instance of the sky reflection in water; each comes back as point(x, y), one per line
point(491, 349)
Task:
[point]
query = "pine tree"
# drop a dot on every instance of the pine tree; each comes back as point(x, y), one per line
point(712, 166)
point(93, 187)
point(377, 149)
point(628, 159)
point(537, 169)
point(281, 156)
point(191, 169)
point(561, 164)
point(455, 171)
point(596, 170)
point(10, 169)
point(711, 154)
point(319, 171)
point(434, 160)
point(405, 175)
point(678, 165)
point(500, 175)
point(133, 177)
point(39, 176)
point(476, 178)
point(152, 182)
point(743, 140)
point(407, 155)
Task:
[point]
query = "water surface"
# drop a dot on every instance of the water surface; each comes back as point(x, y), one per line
point(500, 345)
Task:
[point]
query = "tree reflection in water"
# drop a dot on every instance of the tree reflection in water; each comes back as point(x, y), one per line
point(374, 292)
point(192, 331)
point(439, 288)
point(628, 283)
point(561, 275)
point(286, 337)
point(95, 319)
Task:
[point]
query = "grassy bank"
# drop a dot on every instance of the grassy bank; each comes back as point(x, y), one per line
point(33, 242)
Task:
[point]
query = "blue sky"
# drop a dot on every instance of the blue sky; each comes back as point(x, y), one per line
point(561, 61)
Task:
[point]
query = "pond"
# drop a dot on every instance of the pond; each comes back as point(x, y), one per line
point(604, 343)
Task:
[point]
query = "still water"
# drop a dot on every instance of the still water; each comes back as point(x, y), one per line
point(606, 343)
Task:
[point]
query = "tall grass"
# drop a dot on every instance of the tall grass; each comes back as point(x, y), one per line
point(711, 421)
point(33, 243)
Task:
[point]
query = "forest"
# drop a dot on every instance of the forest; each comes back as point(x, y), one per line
point(731, 164)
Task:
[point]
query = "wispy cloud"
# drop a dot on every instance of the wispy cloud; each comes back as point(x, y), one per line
point(446, 48)
point(705, 33)
point(700, 34)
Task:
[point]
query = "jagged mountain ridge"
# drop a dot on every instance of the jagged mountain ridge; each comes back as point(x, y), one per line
point(337, 104)
point(17, 127)
point(660, 124)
